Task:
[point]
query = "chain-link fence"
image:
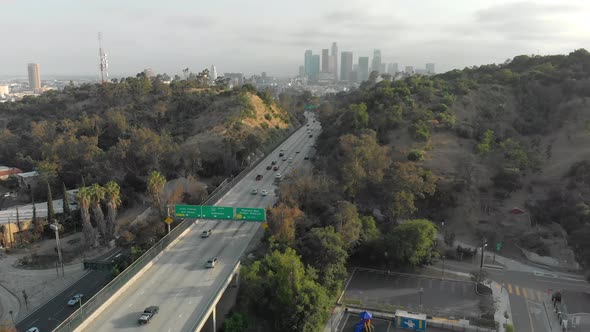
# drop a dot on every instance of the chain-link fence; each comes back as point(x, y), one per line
point(92, 304)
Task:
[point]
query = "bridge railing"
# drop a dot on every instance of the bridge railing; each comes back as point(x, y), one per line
point(95, 302)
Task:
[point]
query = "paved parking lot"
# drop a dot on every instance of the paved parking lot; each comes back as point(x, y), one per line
point(380, 325)
point(444, 298)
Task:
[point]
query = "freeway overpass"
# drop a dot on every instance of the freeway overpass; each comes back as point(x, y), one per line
point(178, 281)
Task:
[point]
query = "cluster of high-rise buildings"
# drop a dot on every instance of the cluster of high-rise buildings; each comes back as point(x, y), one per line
point(324, 68)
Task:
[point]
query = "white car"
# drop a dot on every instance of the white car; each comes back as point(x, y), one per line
point(290, 160)
point(211, 262)
point(264, 193)
point(278, 175)
point(33, 329)
point(75, 299)
point(284, 158)
point(254, 191)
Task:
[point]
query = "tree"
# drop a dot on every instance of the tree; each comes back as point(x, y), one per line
point(113, 200)
point(235, 323)
point(84, 198)
point(347, 222)
point(37, 225)
point(155, 186)
point(359, 115)
point(331, 263)
point(66, 202)
point(411, 243)
point(50, 211)
point(280, 289)
point(97, 194)
point(282, 221)
point(404, 183)
point(47, 171)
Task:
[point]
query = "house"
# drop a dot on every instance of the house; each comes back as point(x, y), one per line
point(6, 172)
point(28, 180)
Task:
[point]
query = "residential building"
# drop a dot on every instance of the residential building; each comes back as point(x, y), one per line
point(325, 60)
point(430, 69)
point(28, 180)
point(363, 73)
point(335, 60)
point(6, 172)
point(376, 63)
point(345, 66)
point(34, 77)
point(307, 62)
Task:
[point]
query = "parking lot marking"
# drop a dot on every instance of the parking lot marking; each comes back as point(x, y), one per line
point(517, 290)
point(510, 288)
point(524, 293)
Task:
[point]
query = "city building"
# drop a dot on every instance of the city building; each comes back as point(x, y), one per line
point(353, 76)
point(4, 90)
point(234, 79)
point(213, 73)
point(335, 60)
point(420, 71)
point(307, 62)
point(376, 64)
point(430, 69)
point(409, 70)
point(363, 72)
point(315, 67)
point(301, 71)
point(383, 68)
point(149, 72)
point(325, 60)
point(345, 66)
point(34, 77)
point(392, 68)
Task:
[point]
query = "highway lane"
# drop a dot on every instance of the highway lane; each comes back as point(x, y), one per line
point(178, 282)
point(52, 313)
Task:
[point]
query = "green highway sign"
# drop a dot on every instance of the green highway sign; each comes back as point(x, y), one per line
point(498, 246)
point(250, 214)
point(217, 212)
point(187, 211)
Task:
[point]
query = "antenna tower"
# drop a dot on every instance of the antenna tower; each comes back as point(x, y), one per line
point(103, 64)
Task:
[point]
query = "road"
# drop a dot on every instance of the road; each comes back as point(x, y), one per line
point(178, 282)
point(52, 313)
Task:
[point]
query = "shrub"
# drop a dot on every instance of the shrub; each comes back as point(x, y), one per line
point(415, 155)
point(268, 117)
point(507, 179)
point(420, 131)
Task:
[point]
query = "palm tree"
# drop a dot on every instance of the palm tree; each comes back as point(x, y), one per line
point(83, 197)
point(113, 200)
point(96, 196)
point(155, 186)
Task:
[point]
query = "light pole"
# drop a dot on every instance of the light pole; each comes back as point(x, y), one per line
point(443, 257)
point(12, 316)
point(420, 291)
point(55, 227)
point(483, 248)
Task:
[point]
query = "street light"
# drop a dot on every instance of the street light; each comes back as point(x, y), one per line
point(12, 316)
point(55, 227)
point(483, 247)
point(420, 291)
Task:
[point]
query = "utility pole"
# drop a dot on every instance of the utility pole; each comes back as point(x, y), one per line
point(443, 258)
point(483, 247)
point(55, 227)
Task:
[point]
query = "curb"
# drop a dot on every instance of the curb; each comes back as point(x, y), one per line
point(20, 304)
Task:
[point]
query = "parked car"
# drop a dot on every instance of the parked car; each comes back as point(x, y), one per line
point(258, 177)
point(148, 314)
point(75, 299)
point(206, 233)
point(211, 262)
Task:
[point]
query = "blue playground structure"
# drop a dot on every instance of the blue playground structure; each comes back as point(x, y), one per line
point(365, 324)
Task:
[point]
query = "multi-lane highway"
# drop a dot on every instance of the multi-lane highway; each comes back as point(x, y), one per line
point(178, 281)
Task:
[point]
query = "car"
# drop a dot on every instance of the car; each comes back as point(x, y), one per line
point(264, 193)
point(276, 168)
point(278, 175)
point(290, 160)
point(75, 299)
point(297, 151)
point(211, 262)
point(33, 329)
point(148, 314)
point(284, 158)
point(310, 135)
point(206, 233)
point(254, 191)
point(281, 154)
point(274, 162)
point(258, 177)
point(313, 121)
point(308, 124)
point(306, 158)
point(269, 167)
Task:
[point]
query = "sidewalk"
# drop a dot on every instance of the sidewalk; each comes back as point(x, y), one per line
point(502, 302)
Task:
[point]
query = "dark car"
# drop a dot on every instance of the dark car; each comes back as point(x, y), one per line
point(276, 168)
point(147, 314)
point(274, 162)
point(258, 177)
point(269, 167)
point(310, 135)
point(281, 154)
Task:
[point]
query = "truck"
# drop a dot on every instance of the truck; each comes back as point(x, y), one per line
point(148, 314)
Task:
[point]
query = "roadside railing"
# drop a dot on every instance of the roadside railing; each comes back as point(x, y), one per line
point(95, 302)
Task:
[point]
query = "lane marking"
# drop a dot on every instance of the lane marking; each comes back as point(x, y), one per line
point(517, 290)
point(510, 288)
point(528, 311)
point(524, 293)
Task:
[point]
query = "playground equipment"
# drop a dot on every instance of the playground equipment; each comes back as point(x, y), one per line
point(365, 324)
point(410, 320)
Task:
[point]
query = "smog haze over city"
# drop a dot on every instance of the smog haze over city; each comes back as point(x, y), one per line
point(271, 36)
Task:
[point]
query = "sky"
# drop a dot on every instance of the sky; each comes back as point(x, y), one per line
point(252, 36)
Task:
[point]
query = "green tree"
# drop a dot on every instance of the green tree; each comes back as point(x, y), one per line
point(155, 186)
point(369, 230)
point(282, 221)
point(97, 193)
point(113, 200)
point(50, 210)
point(323, 249)
point(84, 197)
point(359, 116)
point(348, 223)
point(404, 183)
point(66, 202)
point(411, 243)
point(280, 289)
point(486, 144)
point(237, 322)
point(47, 171)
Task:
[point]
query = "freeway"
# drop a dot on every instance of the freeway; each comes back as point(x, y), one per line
point(178, 281)
point(52, 313)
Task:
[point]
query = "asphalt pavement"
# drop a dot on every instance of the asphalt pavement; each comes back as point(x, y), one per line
point(52, 313)
point(178, 282)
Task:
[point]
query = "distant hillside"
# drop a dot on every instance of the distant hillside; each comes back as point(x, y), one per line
point(496, 137)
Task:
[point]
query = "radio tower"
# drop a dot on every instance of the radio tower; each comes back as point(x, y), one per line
point(104, 64)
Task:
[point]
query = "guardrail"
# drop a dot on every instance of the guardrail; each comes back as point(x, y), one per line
point(95, 302)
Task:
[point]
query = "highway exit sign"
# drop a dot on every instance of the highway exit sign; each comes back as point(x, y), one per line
point(250, 214)
point(187, 211)
point(217, 212)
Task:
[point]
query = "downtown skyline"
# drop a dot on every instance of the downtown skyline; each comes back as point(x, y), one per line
point(151, 34)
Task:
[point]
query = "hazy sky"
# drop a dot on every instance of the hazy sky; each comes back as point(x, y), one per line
point(251, 36)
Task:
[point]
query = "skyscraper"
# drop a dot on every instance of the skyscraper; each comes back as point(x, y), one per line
point(34, 77)
point(363, 74)
point(345, 66)
point(376, 64)
point(315, 67)
point(325, 60)
point(213, 73)
point(335, 60)
point(392, 68)
point(307, 62)
point(430, 69)
point(301, 71)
